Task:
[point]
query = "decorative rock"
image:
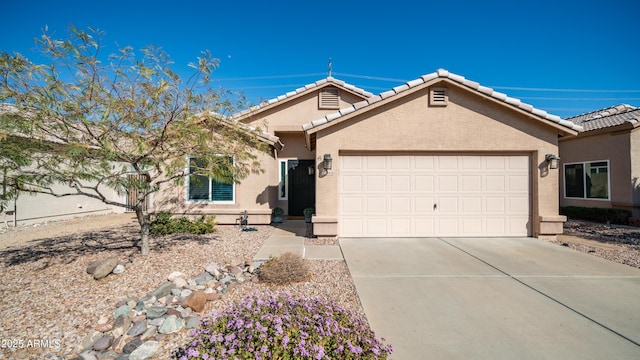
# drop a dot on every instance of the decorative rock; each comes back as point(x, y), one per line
point(150, 333)
point(119, 269)
point(119, 343)
point(185, 313)
point(192, 322)
point(171, 325)
point(156, 322)
point(234, 270)
point(131, 346)
point(212, 296)
point(139, 317)
point(175, 275)
point(163, 290)
point(146, 351)
point(195, 301)
point(121, 325)
point(108, 355)
point(90, 339)
point(104, 268)
point(156, 312)
point(185, 293)
point(88, 355)
point(91, 268)
point(124, 309)
point(138, 328)
point(173, 312)
point(103, 320)
point(103, 328)
point(103, 343)
point(180, 282)
point(175, 292)
point(203, 278)
point(123, 357)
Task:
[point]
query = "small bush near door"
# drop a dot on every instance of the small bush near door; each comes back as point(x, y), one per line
point(602, 215)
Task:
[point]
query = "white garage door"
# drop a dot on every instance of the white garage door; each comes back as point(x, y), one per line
point(434, 195)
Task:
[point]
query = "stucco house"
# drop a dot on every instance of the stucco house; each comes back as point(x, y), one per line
point(601, 166)
point(438, 156)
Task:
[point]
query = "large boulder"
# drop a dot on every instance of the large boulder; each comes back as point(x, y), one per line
point(101, 269)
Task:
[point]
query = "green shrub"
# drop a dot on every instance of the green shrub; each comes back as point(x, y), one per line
point(602, 215)
point(285, 269)
point(165, 224)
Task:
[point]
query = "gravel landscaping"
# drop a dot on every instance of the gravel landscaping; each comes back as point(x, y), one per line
point(50, 304)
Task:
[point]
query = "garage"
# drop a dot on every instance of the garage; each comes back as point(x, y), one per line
point(416, 195)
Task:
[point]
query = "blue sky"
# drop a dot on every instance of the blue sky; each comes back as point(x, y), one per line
point(267, 48)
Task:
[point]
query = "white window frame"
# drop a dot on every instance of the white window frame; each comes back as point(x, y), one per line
point(281, 163)
point(209, 201)
point(584, 180)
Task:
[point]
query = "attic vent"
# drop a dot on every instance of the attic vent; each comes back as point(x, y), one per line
point(329, 99)
point(438, 97)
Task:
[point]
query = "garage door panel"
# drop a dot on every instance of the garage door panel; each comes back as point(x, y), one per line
point(350, 205)
point(352, 183)
point(434, 195)
point(375, 183)
point(447, 183)
point(376, 226)
point(423, 183)
point(423, 205)
point(400, 183)
point(401, 205)
point(471, 205)
point(376, 205)
point(375, 162)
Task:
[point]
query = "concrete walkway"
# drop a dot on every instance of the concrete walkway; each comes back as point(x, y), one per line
point(289, 237)
point(495, 298)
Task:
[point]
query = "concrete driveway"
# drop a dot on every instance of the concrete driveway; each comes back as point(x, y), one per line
point(495, 298)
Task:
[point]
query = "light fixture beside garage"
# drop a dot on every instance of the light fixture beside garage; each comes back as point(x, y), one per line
point(553, 160)
point(327, 163)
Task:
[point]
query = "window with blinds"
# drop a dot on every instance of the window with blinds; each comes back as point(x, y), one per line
point(204, 189)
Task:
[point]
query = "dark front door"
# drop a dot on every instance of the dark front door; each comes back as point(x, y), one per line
point(302, 186)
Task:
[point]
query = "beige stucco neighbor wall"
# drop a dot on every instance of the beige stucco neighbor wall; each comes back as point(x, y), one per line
point(252, 194)
point(468, 124)
point(612, 146)
point(34, 209)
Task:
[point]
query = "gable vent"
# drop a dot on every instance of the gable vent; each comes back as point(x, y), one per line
point(438, 97)
point(329, 98)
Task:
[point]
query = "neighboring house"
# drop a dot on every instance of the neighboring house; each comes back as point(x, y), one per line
point(437, 156)
point(601, 166)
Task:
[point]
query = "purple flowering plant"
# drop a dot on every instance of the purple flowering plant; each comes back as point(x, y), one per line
point(284, 327)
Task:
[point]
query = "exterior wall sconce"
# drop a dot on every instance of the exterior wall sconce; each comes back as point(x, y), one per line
point(327, 163)
point(554, 161)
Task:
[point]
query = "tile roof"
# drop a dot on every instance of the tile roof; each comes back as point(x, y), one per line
point(608, 117)
point(309, 87)
point(443, 74)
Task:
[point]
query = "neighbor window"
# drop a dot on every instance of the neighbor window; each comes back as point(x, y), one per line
point(283, 185)
point(588, 180)
point(204, 189)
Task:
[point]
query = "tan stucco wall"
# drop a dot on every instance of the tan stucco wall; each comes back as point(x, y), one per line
point(290, 115)
point(469, 124)
point(252, 194)
point(612, 146)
